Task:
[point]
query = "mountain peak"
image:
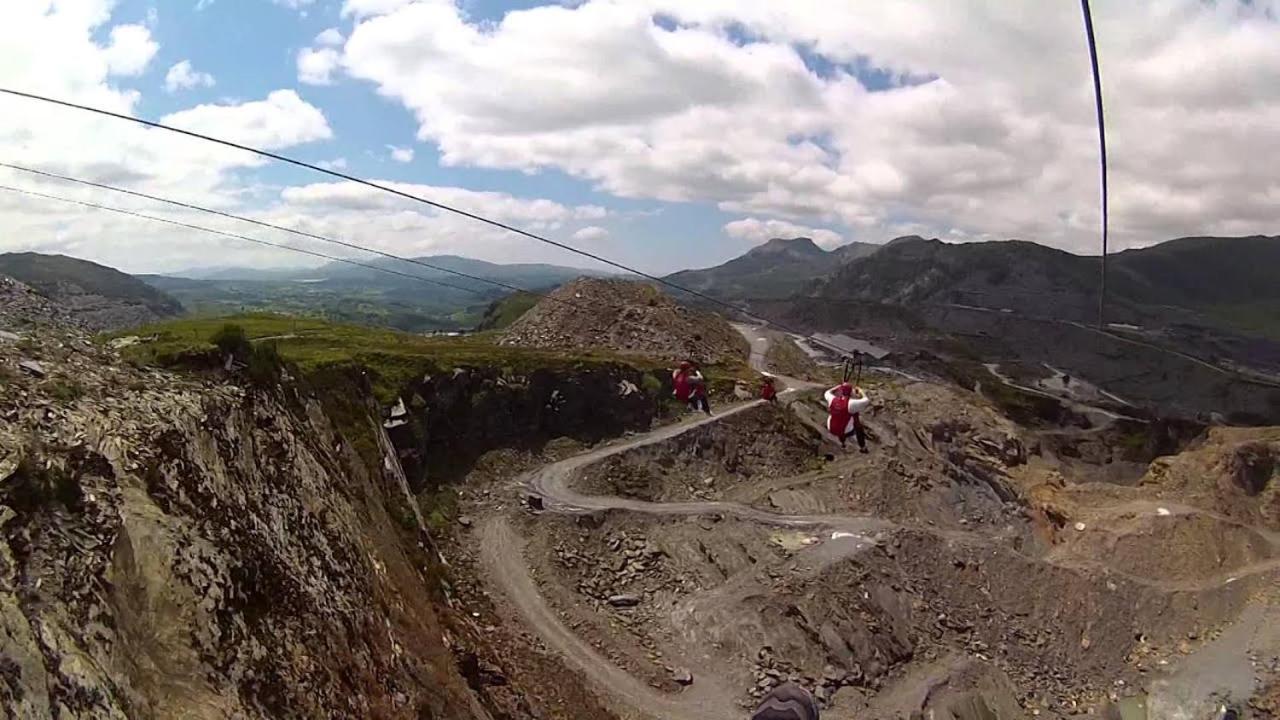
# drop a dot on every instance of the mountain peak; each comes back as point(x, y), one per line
point(799, 246)
point(905, 239)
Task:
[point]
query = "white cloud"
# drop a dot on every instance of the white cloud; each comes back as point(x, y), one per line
point(365, 8)
point(757, 231)
point(316, 65)
point(334, 164)
point(131, 50)
point(282, 120)
point(984, 131)
point(401, 154)
point(331, 36)
point(182, 76)
point(294, 4)
point(591, 233)
point(56, 49)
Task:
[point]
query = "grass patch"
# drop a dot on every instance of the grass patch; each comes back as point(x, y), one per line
point(65, 390)
point(502, 313)
point(439, 507)
point(1260, 318)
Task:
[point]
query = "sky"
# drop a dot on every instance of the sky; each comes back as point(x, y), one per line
point(664, 134)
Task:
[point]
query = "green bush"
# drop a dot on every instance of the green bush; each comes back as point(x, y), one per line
point(651, 385)
point(264, 362)
point(232, 340)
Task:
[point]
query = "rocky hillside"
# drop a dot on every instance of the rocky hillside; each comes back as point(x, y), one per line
point(171, 542)
point(101, 298)
point(627, 317)
point(22, 307)
point(254, 544)
point(776, 269)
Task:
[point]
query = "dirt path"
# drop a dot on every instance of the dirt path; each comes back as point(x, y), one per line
point(1108, 416)
point(759, 344)
point(502, 557)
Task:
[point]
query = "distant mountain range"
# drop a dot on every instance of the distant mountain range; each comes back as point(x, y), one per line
point(777, 269)
point(352, 293)
point(101, 297)
point(1210, 280)
point(533, 275)
point(1217, 281)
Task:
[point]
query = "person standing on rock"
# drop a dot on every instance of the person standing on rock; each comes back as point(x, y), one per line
point(788, 701)
point(844, 403)
point(698, 391)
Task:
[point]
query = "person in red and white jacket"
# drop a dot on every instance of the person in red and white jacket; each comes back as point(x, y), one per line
point(844, 403)
point(689, 387)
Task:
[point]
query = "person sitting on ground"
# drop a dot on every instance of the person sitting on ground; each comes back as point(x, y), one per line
point(844, 403)
point(768, 392)
point(788, 701)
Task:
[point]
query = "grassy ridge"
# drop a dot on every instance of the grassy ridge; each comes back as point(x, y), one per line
point(390, 358)
point(502, 313)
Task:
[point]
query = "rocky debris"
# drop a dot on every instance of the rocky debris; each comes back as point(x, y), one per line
point(121, 343)
point(9, 337)
point(633, 559)
point(32, 367)
point(708, 461)
point(769, 671)
point(682, 676)
point(628, 317)
point(1232, 471)
point(99, 297)
point(22, 307)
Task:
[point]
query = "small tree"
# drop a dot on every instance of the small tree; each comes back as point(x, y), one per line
point(232, 340)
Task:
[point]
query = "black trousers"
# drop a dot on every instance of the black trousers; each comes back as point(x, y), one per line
point(859, 432)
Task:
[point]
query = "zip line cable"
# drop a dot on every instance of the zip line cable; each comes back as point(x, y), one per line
point(189, 226)
point(416, 198)
point(261, 223)
point(1102, 146)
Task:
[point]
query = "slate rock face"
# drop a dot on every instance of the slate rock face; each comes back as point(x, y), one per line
point(174, 542)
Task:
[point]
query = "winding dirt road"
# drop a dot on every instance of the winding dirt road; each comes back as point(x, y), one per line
point(503, 559)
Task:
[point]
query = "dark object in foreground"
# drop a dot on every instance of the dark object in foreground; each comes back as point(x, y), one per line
point(788, 701)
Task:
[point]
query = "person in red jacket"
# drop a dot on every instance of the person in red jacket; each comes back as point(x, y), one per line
point(844, 403)
point(768, 391)
point(680, 386)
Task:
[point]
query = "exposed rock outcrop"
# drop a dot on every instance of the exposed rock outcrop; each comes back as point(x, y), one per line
point(626, 317)
point(172, 545)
